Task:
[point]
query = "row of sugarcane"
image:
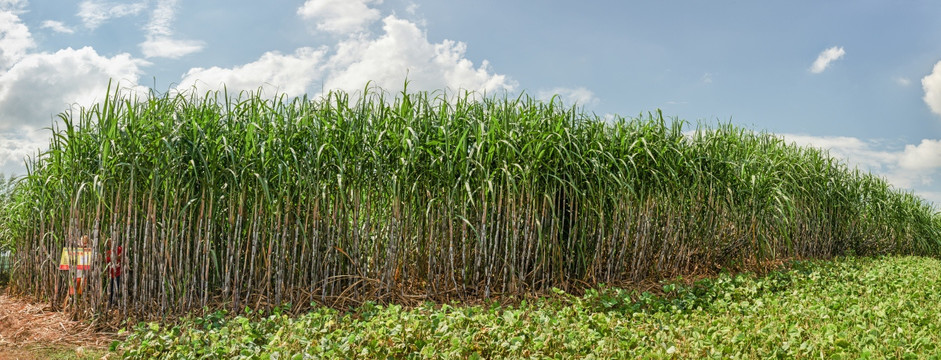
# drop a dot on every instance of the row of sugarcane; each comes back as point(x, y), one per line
point(255, 202)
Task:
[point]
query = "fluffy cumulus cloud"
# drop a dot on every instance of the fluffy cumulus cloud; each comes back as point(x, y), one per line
point(932, 87)
point(159, 38)
point(290, 74)
point(41, 85)
point(340, 16)
point(924, 156)
point(15, 38)
point(160, 41)
point(93, 13)
point(50, 82)
point(403, 51)
point(35, 86)
point(825, 58)
point(569, 96)
point(12, 4)
point(17, 145)
point(56, 26)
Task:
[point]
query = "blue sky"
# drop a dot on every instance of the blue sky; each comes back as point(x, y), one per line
point(874, 97)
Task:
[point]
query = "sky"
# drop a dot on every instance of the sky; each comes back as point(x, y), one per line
point(859, 78)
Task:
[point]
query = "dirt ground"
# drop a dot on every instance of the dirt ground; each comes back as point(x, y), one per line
point(32, 331)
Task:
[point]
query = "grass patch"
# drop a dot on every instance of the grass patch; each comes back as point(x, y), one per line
point(54, 352)
point(881, 307)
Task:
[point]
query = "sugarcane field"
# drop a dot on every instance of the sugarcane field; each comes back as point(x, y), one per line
point(151, 210)
point(368, 179)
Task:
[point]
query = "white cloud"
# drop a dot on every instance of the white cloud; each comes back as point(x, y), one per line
point(42, 85)
point(825, 58)
point(932, 86)
point(162, 18)
point(926, 155)
point(290, 74)
point(903, 81)
point(56, 26)
point(404, 50)
point(401, 51)
point(96, 12)
point(569, 96)
point(15, 38)
point(160, 46)
point(340, 16)
point(160, 41)
point(17, 145)
point(15, 6)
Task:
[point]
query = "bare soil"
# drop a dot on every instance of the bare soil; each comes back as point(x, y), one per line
point(30, 330)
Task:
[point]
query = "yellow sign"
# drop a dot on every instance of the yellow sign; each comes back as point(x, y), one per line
point(79, 257)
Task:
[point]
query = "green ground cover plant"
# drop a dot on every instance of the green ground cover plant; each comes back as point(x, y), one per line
point(251, 201)
point(853, 307)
